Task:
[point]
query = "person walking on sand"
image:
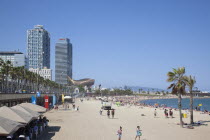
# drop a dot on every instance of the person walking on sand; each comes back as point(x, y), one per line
point(101, 111)
point(138, 132)
point(155, 113)
point(171, 113)
point(119, 133)
point(108, 114)
point(112, 113)
point(166, 113)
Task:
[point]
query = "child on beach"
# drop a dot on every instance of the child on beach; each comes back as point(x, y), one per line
point(138, 132)
point(119, 133)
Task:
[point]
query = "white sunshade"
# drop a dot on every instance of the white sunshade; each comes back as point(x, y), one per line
point(8, 127)
point(67, 97)
point(34, 107)
point(15, 115)
point(27, 111)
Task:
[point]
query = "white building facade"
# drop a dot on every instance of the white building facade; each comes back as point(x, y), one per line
point(38, 47)
point(45, 73)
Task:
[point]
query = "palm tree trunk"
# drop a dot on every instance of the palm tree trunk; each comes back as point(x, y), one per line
point(180, 109)
point(191, 108)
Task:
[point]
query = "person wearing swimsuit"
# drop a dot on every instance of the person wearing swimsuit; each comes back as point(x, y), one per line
point(119, 133)
point(138, 132)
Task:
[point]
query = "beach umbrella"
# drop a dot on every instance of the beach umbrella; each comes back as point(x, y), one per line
point(28, 111)
point(156, 104)
point(15, 115)
point(8, 127)
point(34, 107)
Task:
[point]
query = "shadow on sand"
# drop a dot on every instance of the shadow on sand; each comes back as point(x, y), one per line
point(49, 133)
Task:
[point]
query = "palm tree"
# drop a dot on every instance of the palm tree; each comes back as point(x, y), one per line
point(178, 86)
point(1, 73)
point(5, 69)
point(190, 82)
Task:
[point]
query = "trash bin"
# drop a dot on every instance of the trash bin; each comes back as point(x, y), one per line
point(184, 115)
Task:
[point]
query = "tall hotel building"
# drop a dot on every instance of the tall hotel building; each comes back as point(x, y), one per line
point(38, 47)
point(63, 61)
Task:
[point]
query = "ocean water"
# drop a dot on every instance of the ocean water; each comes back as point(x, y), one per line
point(185, 103)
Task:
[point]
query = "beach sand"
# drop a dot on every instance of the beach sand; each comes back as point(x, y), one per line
point(88, 124)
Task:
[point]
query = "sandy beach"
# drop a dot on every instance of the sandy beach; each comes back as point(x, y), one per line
point(88, 124)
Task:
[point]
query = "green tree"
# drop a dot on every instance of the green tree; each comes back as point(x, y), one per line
point(178, 86)
point(97, 92)
point(105, 92)
point(5, 70)
point(190, 82)
point(81, 89)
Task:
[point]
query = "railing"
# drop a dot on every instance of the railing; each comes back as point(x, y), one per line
point(10, 96)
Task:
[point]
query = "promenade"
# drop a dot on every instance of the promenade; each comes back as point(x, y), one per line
point(88, 124)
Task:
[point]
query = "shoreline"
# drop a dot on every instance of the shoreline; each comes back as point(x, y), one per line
point(67, 124)
point(139, 102)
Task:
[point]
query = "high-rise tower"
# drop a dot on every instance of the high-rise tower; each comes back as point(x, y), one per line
point(63, 61)
point(38, 47)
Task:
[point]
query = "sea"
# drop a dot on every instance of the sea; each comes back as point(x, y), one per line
point(173, 103)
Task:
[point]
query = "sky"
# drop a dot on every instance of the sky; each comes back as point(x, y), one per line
point(118, 42)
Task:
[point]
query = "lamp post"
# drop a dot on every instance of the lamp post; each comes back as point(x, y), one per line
point(60, 83)
point(38, 68)
point(37, 80)
point(100, 89)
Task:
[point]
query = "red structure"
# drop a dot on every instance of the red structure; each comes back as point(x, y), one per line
point(46, 101)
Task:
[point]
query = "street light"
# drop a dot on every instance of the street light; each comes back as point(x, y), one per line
point(39, 62)
point(60, 82)
point(100, 89)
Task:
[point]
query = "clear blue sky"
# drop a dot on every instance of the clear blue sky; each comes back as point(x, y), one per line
point(118, 42)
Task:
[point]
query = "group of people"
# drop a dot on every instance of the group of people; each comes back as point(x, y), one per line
point(75, 108)
point(112, 112)
point(168, 112)
point(138, 133)
point(108, 113)
point(31, 131)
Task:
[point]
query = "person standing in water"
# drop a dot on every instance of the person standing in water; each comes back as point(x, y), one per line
point(119, 133)
point(138, 132)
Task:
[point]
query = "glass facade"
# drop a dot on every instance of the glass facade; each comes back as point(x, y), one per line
point(63, 61)
point(38, 47)
point(17, 59)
